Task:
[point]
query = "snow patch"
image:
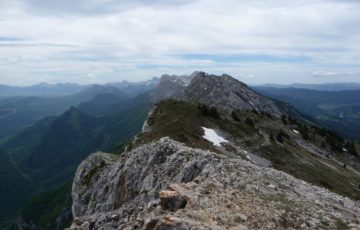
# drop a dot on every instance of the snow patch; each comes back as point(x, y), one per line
point(213, 137)
point(295, 131)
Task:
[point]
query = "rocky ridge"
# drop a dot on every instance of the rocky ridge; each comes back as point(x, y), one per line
point(224, 92)
point(160, 183)
point(167, 185)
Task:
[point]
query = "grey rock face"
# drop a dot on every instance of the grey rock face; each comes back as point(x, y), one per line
point(167, 185)
point(88, 172)
point(138, 174)
point(223, 91)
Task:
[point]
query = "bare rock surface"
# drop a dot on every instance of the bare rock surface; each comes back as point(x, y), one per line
point(167, 185)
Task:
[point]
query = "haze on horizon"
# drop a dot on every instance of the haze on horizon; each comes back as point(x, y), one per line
point(98, 41)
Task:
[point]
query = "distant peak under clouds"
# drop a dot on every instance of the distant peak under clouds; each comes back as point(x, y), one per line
point(110, 40)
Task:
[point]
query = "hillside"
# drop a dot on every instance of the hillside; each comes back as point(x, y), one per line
point(67, 139)
point(48, 210)
point(48, 152)
point(336, 110)
point(304, 151)
point(18, 113)
point(107, 104)
point(15, 189)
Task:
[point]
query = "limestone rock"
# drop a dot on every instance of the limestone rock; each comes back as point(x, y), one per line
point(172, 200)
point(147, 189)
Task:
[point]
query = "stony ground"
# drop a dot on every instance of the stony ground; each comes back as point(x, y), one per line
point(166, 185)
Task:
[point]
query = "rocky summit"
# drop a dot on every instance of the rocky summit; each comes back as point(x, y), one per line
point(167, 185)
point(224, 92)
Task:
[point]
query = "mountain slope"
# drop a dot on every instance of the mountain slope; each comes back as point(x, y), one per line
point(68, 139)
point(337, 111)
point(18, 113)
point(48, 210)
point(49, 151)
point(108, 104)
point(68, 135)
point(305, 151)
point(15, 189)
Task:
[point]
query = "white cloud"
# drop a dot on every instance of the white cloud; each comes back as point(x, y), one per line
point(325, 74)
point(114, 40)
point(334, 74)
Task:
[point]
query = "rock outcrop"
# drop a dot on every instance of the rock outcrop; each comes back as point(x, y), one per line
point(167, 185)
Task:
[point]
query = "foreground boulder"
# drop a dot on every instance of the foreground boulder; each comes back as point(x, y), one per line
point(167, 185)
point(172, 200)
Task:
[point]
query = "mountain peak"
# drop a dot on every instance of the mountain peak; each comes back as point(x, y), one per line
point(72, 110)
point(222, 91)
point(198, 74)
point(74, 116)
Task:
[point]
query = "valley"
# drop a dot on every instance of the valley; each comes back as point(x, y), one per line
point(62, 142)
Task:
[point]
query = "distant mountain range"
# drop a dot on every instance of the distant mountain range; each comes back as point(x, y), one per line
point(63, 89)
point(133, 88)
point(321, 87)
point(42, 89)
point(22, 107)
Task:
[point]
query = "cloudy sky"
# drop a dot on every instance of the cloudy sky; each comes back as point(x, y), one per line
point(257, 41)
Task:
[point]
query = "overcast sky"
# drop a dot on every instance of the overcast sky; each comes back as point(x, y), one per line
point(257, 41)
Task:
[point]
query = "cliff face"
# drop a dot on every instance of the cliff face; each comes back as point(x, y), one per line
point(167, 185)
